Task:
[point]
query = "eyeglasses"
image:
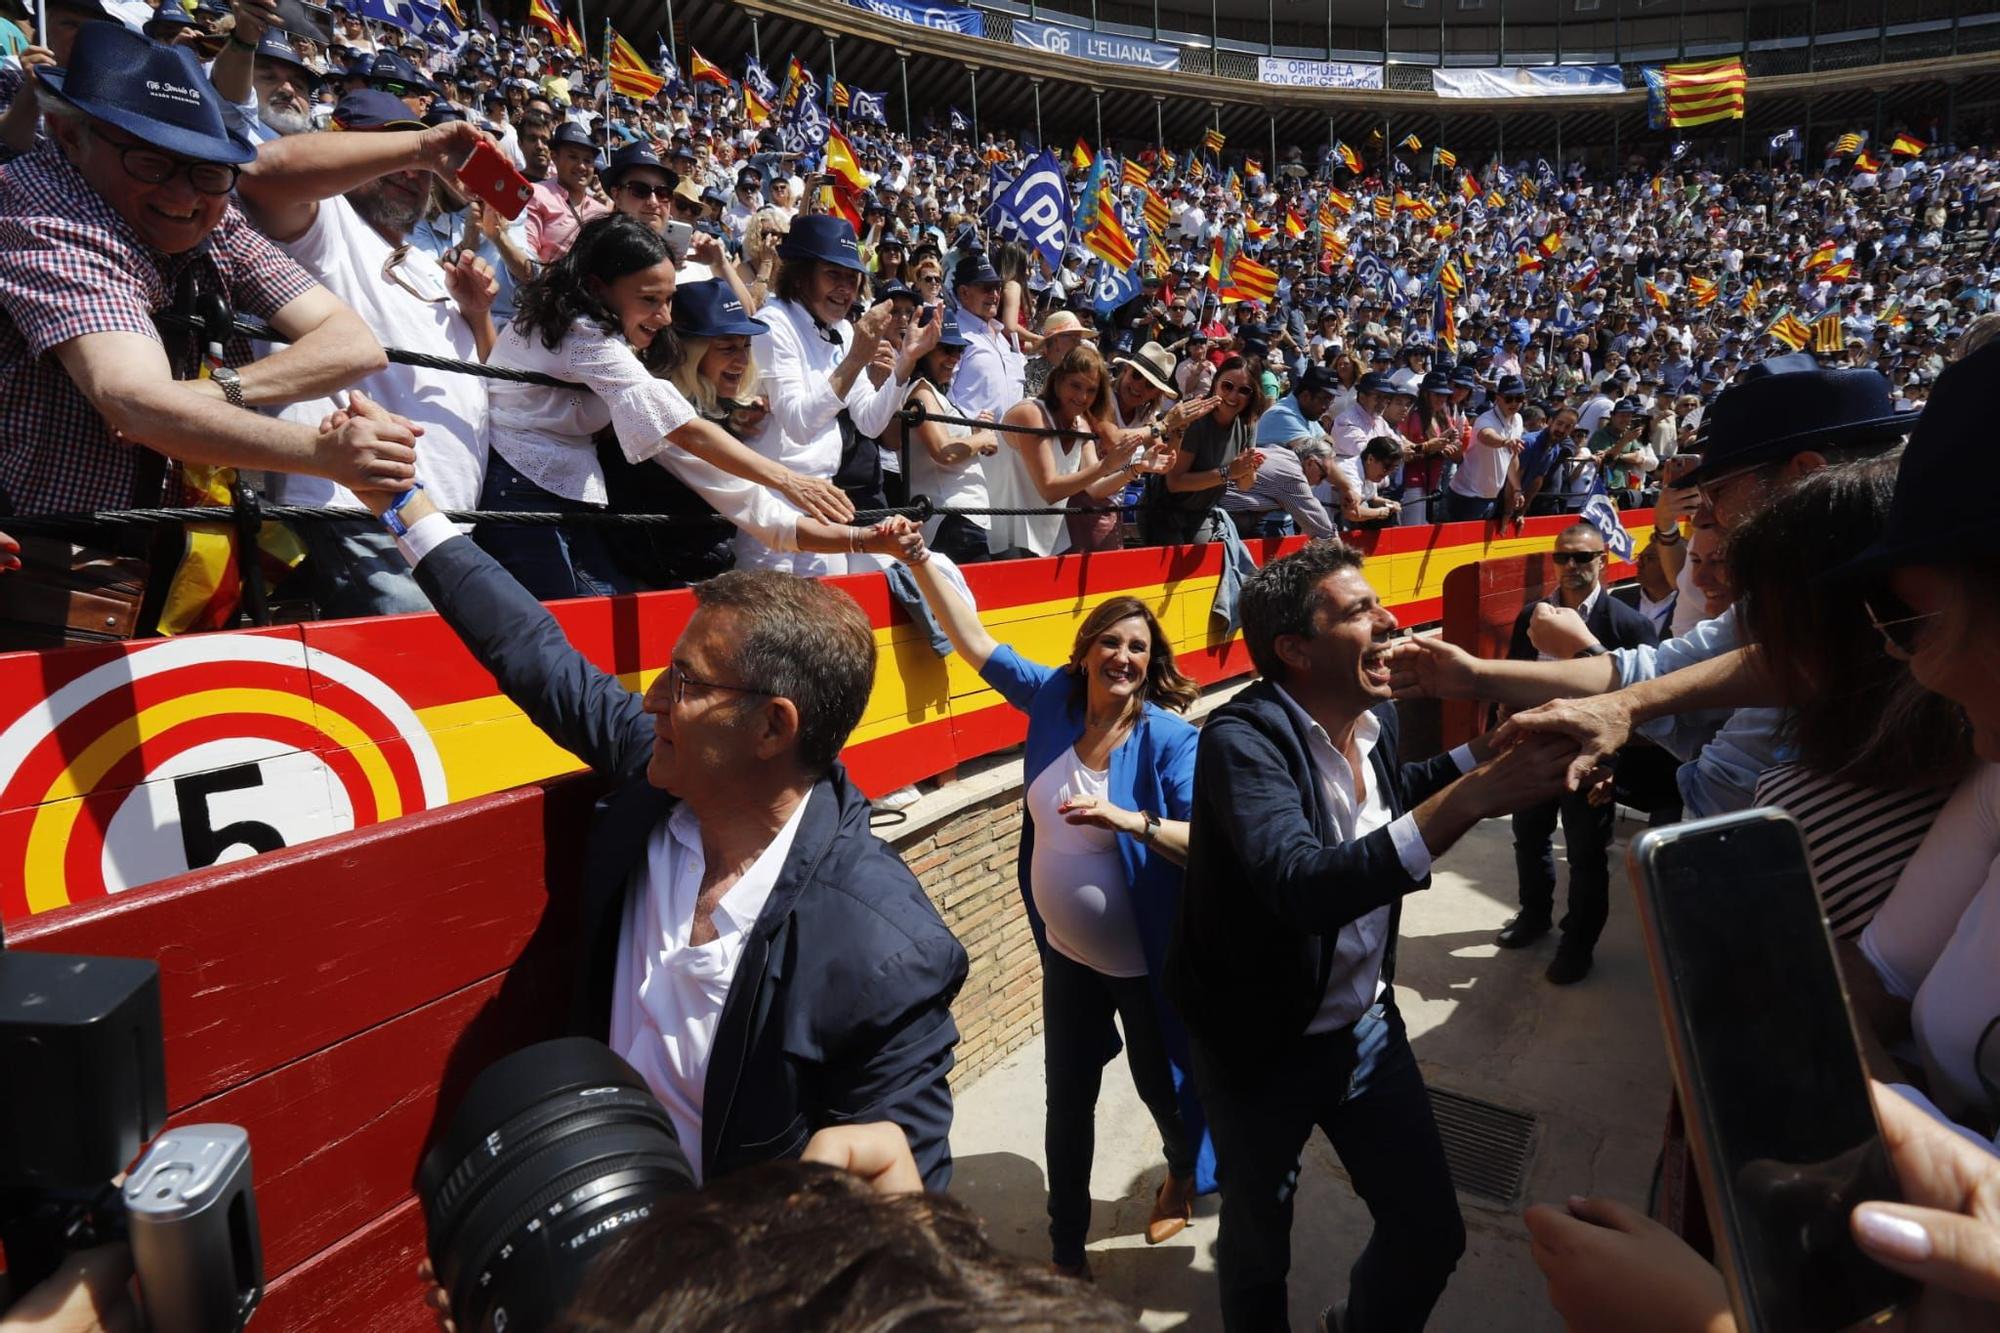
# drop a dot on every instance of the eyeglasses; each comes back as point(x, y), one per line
point(678, 680)
point(1899, 635)
point(393, 271)
point(1577, 558)
point(642, 191)
point(154, 167)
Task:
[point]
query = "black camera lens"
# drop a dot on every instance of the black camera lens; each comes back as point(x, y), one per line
point(555, 1150)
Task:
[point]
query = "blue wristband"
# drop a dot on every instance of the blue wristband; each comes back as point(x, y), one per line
point(392, 516)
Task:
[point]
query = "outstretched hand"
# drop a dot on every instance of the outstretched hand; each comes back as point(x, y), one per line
point(367, 449)
point(1599, 725)
point(1429, 666)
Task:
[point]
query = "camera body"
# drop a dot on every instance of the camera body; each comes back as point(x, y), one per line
point(80, 1038)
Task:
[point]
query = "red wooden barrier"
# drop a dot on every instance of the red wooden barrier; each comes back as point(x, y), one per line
point(1481, 602)
point(335, 1000)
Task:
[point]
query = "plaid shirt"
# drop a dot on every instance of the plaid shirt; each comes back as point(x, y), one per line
point(70, 266)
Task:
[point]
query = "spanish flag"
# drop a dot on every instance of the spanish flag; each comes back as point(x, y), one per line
point(1468, 189)
point(1258, 231)
point(1527, 261)
point(1822, 255)
point(1252, 167)
point(1549, 244)
point(631, 76)
point(1339, 200)
point(207, 582)
point(1651, 291)
point(841, 162)
point(572, 40)
point(1867, 161)
point(1443, 230)
point(842, 202)
point(1295, 226)
point(1218, 265)
point(1841, 272)
point(1907, 145)
point(1348, 157)
point(1079, 156)
point(755, 109)
point(701, 71)
point(545, 18)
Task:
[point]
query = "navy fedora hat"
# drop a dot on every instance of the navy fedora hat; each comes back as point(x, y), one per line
point(1936, 516)
point(156, 92)
point(272, 46)
point(569, 132)
point(974, 268)
point(373, 109)
point(710, 309)
point(822, 237)
point(1786, 405)
point(631, 157)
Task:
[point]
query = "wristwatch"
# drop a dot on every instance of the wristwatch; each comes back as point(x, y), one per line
point(1594, 650)
point(1670, 537)
point(1152, 827)
point(230, 383)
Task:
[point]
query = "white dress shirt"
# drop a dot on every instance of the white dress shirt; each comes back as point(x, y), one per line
point(990, 372)
point(1355, 982)
point(798, 363)
point(667, 995)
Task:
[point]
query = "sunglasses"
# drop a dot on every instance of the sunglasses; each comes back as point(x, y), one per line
point(1899, 632)
point(1577, 558)
point(1232, 389)
point(642, 191)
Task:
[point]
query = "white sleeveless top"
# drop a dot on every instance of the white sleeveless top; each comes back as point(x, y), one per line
point(961, 485)
point(1013, 488)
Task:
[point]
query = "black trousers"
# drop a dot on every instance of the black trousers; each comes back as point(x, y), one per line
point(1587, 831)
point(1078, 1004)
point(1361, 1086)
point(960, 539)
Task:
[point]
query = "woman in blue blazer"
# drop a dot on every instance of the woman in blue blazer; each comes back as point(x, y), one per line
point(1108, 785)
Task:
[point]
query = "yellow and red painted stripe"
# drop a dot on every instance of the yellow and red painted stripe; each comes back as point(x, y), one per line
point(125, 763)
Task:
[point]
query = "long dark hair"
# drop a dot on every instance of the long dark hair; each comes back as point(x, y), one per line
point(607, 249)
point(1166, 684)
point(1254, 402)
point(1816, 642)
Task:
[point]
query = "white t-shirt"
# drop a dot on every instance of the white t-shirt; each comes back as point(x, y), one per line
point(1484, 469)
point(666, 994)
point(347, 255)
point(1077, 876)
point(1936, 939)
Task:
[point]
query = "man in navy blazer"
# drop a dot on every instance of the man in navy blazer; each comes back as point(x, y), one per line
point(767, 963)
point(1579, 619)
point(1307, 832)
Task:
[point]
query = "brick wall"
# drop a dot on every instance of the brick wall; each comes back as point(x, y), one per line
point(967, 863)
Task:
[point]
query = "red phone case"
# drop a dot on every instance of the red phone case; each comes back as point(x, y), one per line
point(488, 174)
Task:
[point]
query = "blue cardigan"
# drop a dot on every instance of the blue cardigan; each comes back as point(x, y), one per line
point(1153, 769)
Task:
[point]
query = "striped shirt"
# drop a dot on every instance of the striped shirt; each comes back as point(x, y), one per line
point(1858, 838)
point(71, 266)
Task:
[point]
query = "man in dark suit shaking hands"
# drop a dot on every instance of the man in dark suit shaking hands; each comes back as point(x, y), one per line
point(767, 964)
point(1307, 832)
point(1579, 619)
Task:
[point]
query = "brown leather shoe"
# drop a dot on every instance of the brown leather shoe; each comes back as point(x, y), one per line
point(1173, 1209)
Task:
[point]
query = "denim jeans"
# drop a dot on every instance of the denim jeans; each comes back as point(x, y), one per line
point(1078, 1004)
point(355, 570)
point(1360, 1085)
point(548, 562)
point(1462, 508)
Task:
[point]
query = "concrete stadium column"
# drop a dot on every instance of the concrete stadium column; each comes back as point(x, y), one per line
point(903, 65)
point(1035, 83)
point(1097, 105)
point(1159, 122)
point(972, 72)
point(756, 38)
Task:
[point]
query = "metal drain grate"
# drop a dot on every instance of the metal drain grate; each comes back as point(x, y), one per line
point(1485, 1145)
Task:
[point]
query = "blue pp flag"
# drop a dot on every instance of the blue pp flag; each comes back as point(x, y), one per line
point(755, 75)
point(399, 13)
point(1038, 205)
point(866, 108)
point(1601, 514)
point(959, 123)
point(1113, 288)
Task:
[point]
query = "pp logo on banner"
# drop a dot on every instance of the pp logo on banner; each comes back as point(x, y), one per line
point(1601, 514)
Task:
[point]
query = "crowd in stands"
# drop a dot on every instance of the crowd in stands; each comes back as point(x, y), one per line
point(741, 307)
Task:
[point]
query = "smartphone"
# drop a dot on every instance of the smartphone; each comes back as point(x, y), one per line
point(678, 236)
point(488, 174)
point(304, 20)
point(1769, 1075)
point(926, 315)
